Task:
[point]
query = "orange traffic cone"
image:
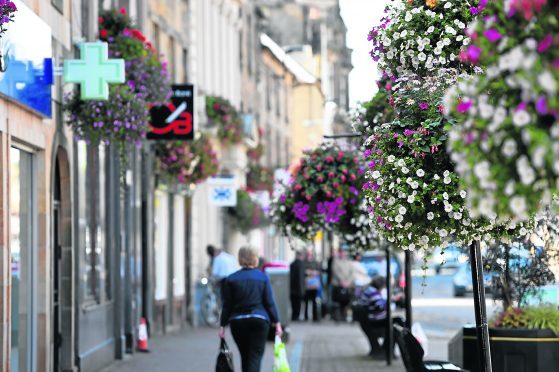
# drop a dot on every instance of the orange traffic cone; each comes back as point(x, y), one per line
point(143, 336)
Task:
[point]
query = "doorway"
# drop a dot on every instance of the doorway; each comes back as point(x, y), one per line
point(23, 254)
point(62, 283)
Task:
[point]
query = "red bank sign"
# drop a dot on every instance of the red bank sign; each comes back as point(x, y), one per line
point(174, 121)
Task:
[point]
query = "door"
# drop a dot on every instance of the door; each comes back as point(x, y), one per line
point(57, 256)
point(22, 257)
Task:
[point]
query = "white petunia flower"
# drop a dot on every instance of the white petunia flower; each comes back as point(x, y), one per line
point(448, 208)
point(422, 56)
point(509, 148)
point(457, 215)
point(430, 29)
point(447, 180)
point(518, 206)
point(376, 174)
point(401, 163)
point(445, 195)
point(408, 17)
point(420, 173)
point(402, 210)
point(405, 170)
point(399, 218)
point(547, 82)
point(463, 194)
point(411, 199)
point(443, 233)
point(521, 118)
point(430, 216)
point(391, 158)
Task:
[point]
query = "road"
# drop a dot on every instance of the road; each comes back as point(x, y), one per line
point(439, 313)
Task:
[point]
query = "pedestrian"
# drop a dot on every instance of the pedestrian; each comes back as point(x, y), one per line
point(223, 264)
point(342, 283)
point(296, 285)
point(312, 286)
point(249, 308)
point(372, 315)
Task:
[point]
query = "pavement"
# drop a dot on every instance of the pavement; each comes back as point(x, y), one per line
point(313, 347)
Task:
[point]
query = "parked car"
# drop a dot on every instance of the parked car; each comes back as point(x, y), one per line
point(462, 280)
point(452, 257)
point(375, 263)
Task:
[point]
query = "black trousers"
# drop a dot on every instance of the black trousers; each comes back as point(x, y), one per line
point(296, 301)
point(250, 336)
point(311, 296)
point(374, 329)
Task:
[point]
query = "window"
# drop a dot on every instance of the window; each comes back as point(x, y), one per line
point(92, 189)
point(172, 60)
point(184, 65)
point(58, 5)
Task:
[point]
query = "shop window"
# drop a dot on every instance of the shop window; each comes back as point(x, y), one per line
point(92, 187)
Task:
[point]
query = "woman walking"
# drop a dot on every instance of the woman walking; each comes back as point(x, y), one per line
point(249, 307)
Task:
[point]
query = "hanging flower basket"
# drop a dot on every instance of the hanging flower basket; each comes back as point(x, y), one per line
point(260, 178)
point(7, 13)
point(247, 214)
point(324, 194)
point(418, 36)
point(254, 154)
point(506, 145)
point(222, 114)
point(122, 119)
point(186, 163)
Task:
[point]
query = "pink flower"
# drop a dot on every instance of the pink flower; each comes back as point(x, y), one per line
point(441, 109)
point(329, 159)
point(424, 105)
point(545, 43)
point(463, 106)
point(331, 174)
point(555, 64)
point(493, 35)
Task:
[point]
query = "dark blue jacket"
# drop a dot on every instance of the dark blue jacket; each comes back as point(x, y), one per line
point(248, 292)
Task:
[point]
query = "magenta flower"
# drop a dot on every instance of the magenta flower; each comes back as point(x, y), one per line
point(545, 43)
point(408, 132)
point(541, 105)
point(463, 106)
point(424, 105)
point(555, 64)
point(473, 53)
point(493, 35)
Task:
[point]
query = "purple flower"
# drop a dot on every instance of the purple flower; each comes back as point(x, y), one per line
point(300, 210)
point(474, 10)
point(408, 132)
point(541, 105)
point(464, 106)
point(545, 43)
point(555, 64)
point(400, 144)
point(469, 138)
point(424, 105)
point(493, 35)
point(282, 199)
point(473, 53)
point(521, 106)
point(367, 153)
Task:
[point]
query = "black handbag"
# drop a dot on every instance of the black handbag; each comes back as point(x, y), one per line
point(341, 295)
point(224, 361)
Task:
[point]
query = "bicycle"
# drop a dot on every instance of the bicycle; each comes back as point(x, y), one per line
point(211, 304)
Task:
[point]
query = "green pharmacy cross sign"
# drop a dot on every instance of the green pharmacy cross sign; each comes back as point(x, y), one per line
point(94, 71)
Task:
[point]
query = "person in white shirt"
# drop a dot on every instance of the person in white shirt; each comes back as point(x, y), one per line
point(223, 265)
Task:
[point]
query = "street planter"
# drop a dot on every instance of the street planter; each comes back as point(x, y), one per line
point(514, 350)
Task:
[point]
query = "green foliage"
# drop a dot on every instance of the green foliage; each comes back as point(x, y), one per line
point(247, 214)
point(544, 317)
